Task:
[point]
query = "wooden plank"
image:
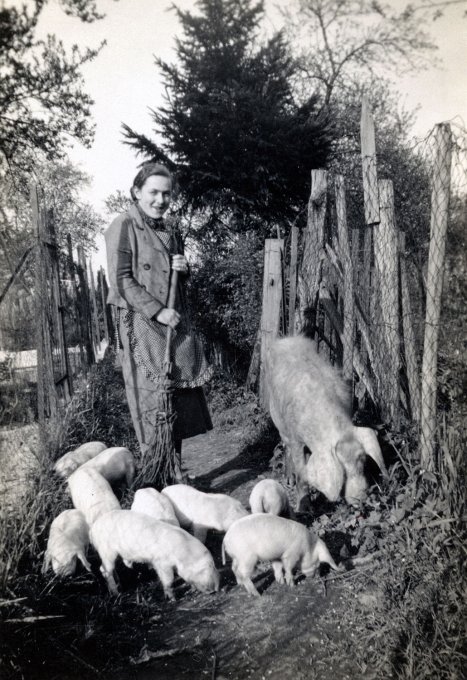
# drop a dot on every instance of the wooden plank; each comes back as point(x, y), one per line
point(293, 278)
point(47, 398)
point(413, 373)
point(271, 309)
point(370, 176)
point(311, 269)
point(85, 311)
point(348, 287)
point(94, 315)
point(434, 287)
point(386, 244)
point(100, 284)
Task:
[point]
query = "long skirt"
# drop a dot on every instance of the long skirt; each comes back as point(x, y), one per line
point(144, 399)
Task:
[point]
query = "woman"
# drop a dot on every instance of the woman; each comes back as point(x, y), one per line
point(142, 252)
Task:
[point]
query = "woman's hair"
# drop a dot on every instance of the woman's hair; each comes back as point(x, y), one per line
point(147, 170)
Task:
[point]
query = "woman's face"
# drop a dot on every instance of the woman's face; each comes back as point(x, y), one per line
point(155, 195)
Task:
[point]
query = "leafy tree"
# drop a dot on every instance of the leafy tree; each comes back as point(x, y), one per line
point(42, 103)
point(340, 43)
point(231, 128)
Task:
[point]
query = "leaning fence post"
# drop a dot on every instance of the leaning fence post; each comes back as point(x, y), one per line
point(370, 177)
point(434, 288)
point(348, 283)
point(47, 401)
point(413, 375)
point(271, 310)
point(293, 278)
point(94, 314)
point(100, 286)
point(311, 268)
point(386, 244)
point(85, 307)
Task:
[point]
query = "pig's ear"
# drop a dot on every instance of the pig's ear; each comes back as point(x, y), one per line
point(368, 439)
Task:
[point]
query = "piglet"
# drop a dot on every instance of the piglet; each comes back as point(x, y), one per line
point(271, 497)
point(114, 464)
point(91, 493)
point(72, 460)
point(168, 549)
point(267, 538)
point(151, 502)
point(68, 540)
point(198, 511)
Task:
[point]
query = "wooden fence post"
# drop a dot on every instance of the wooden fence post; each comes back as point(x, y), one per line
point(85, 307)
point(101, 285)
point(93, 298)
point(76, 306)
point(434, 288)
point(293, 278)
point(311, 268)
point(65, 380)
point(386, 243)
point(370, 177)
point(348, 293)
point(413, 375)
point(47, 401)
point(271, 310)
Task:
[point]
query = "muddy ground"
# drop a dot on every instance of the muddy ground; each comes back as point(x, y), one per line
point(305, 632)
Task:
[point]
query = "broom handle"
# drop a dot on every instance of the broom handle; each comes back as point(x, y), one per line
point(170, 305)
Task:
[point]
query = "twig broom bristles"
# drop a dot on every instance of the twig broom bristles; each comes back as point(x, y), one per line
point(159, 465)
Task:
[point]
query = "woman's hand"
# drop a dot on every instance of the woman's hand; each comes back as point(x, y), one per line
point(168, 317)
point(179, 262)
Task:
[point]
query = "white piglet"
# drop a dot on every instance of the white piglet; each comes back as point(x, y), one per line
point(72, 460)
point(91, 493)
point(167, 549)
point(198, 511)
point(271, 497)
point(268, 538)
point(67, 543)
point(114, 464)
point(150, 502)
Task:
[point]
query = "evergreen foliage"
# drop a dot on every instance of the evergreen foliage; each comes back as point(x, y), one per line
point(42, 103)
point(231, 128)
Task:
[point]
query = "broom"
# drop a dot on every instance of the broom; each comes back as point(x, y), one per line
point(160, 464)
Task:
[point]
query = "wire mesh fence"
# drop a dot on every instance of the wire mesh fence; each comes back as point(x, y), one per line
point(46, 338)
point(382, 289)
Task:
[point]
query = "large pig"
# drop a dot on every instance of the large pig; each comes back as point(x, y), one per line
point(72, 460)
point(308, 402)
point(91, 493)
point(198, 511)
point(166, 548)
point(114, 464)
point(151, 502)
point(270, 496)
point(268, 538)
point(67, 543)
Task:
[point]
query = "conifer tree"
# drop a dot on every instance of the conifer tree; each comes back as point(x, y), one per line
point(230, 127)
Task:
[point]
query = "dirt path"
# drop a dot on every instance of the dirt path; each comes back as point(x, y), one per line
point(297, 634)
point(287, 633)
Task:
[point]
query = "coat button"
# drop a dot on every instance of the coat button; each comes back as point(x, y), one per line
point(146, 266)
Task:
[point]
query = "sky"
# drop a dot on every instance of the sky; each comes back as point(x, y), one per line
point(124, 81)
